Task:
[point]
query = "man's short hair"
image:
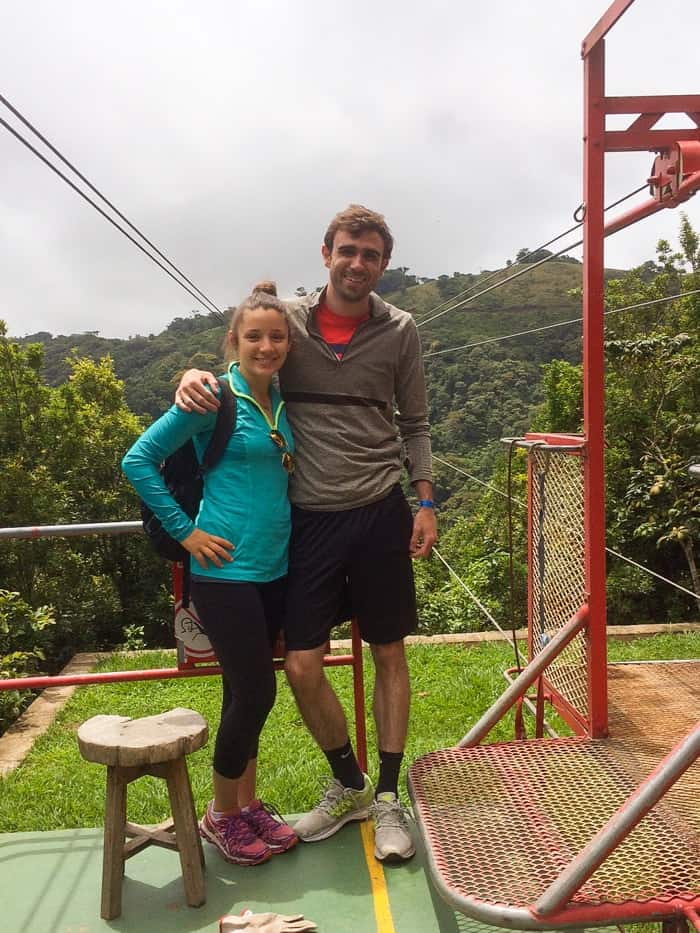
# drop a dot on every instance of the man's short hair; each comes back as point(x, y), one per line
point(357, 220)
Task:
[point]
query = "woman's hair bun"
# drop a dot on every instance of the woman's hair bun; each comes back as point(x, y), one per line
point(267, 286)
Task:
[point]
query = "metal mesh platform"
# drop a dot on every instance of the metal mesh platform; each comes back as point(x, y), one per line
point(652, 705)
point(502, 821)
point(557, 573)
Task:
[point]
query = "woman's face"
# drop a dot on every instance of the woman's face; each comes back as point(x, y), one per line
point(261, 342)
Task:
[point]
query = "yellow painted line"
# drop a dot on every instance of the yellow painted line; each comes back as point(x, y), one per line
point(380, 895)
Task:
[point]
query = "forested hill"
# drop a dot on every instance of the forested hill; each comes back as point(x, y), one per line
point(150, 364)
point(62, 443)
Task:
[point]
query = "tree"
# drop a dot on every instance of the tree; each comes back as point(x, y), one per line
point(537, 256)
point(395, 280)
point(652, 388)
point(655, 498)
point(60, 457)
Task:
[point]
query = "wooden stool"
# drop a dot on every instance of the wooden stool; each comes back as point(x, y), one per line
point(130, 748)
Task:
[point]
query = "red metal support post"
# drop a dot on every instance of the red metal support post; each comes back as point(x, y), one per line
point(594, 381)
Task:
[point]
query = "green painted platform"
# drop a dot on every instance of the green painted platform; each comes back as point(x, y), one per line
point(50, 883)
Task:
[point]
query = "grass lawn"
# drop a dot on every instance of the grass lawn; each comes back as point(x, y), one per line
point(452, 685)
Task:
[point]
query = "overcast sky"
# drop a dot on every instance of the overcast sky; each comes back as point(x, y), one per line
point(231, 132)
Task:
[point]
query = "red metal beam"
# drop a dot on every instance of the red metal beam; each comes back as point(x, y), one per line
point(559, 440)
point(649, 141)
point(626, 912)
point(604, 25)
point(644, 122)
point(685, 190)
point(663, 103)
point(632, 216)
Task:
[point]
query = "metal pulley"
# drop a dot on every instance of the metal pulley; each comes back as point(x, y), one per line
point(675, 174)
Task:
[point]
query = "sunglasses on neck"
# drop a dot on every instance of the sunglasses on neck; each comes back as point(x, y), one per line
point(279, 441)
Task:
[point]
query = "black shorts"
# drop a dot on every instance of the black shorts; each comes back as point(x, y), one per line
point(354, 563)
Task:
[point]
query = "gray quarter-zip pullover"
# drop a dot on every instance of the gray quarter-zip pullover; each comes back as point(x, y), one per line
point(358, 420)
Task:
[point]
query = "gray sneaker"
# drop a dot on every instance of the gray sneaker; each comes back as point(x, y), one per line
point(337, 807)
point(392, 836)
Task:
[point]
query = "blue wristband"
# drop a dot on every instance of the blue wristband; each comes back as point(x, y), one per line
point(426, 504)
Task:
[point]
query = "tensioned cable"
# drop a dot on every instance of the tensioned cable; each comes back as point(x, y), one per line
point(510, 499)
point(576, 320)
point(524, 259)
point(653, 573)
point(476, 479)
point(510, 278)
point(475, 599)
point(609, 550)
point(106, 200)
point(207, 303)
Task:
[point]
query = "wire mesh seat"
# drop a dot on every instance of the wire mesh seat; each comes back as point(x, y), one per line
point(501, 822)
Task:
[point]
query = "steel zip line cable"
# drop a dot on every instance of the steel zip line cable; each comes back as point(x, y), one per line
point(200, 297)
point(575, 320)
point(510, 278)
point(472, 595)
point(523, 505)
point(532, 252)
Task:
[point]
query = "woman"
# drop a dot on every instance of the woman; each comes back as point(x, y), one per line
point(238, 545)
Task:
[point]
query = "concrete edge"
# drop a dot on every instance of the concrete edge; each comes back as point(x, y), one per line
point(625, 632)
point(36, 719)
point(16, 743)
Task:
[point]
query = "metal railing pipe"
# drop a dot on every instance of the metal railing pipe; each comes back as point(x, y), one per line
point(632, 811)
point(41, 682)
point(525, 679)
point(71, 531)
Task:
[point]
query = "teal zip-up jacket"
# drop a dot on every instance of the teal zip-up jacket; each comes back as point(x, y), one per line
point(245, 494)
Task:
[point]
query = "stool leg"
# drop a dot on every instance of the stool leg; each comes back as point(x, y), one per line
point(189, 844)
point(113, 852)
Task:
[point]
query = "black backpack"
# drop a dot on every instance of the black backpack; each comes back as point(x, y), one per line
point(183, 475)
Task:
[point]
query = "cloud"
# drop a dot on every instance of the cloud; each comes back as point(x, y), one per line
point(232, 132)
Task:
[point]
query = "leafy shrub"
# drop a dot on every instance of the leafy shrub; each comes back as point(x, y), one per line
point(23, 634)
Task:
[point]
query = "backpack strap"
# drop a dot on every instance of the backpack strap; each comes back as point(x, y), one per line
point(223, 429)
point(186, 577)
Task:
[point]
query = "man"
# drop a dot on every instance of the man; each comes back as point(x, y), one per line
point(353, 358)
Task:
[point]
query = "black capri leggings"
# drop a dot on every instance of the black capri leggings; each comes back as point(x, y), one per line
point(242, 621)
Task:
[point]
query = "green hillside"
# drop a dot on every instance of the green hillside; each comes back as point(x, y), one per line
point(476, 395)
point(66, 419)
point(151, 365)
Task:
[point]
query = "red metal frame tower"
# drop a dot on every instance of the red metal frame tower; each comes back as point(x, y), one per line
point(679, 180)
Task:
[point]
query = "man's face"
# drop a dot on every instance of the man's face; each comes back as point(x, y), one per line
point(355, 264)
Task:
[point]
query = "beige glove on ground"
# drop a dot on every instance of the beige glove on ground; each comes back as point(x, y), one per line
point(266, 923)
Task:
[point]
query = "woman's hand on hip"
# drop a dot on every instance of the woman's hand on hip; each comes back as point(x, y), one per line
point(205, 547)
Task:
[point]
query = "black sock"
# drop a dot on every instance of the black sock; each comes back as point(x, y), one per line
point(345, 767)
point(389, 766)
